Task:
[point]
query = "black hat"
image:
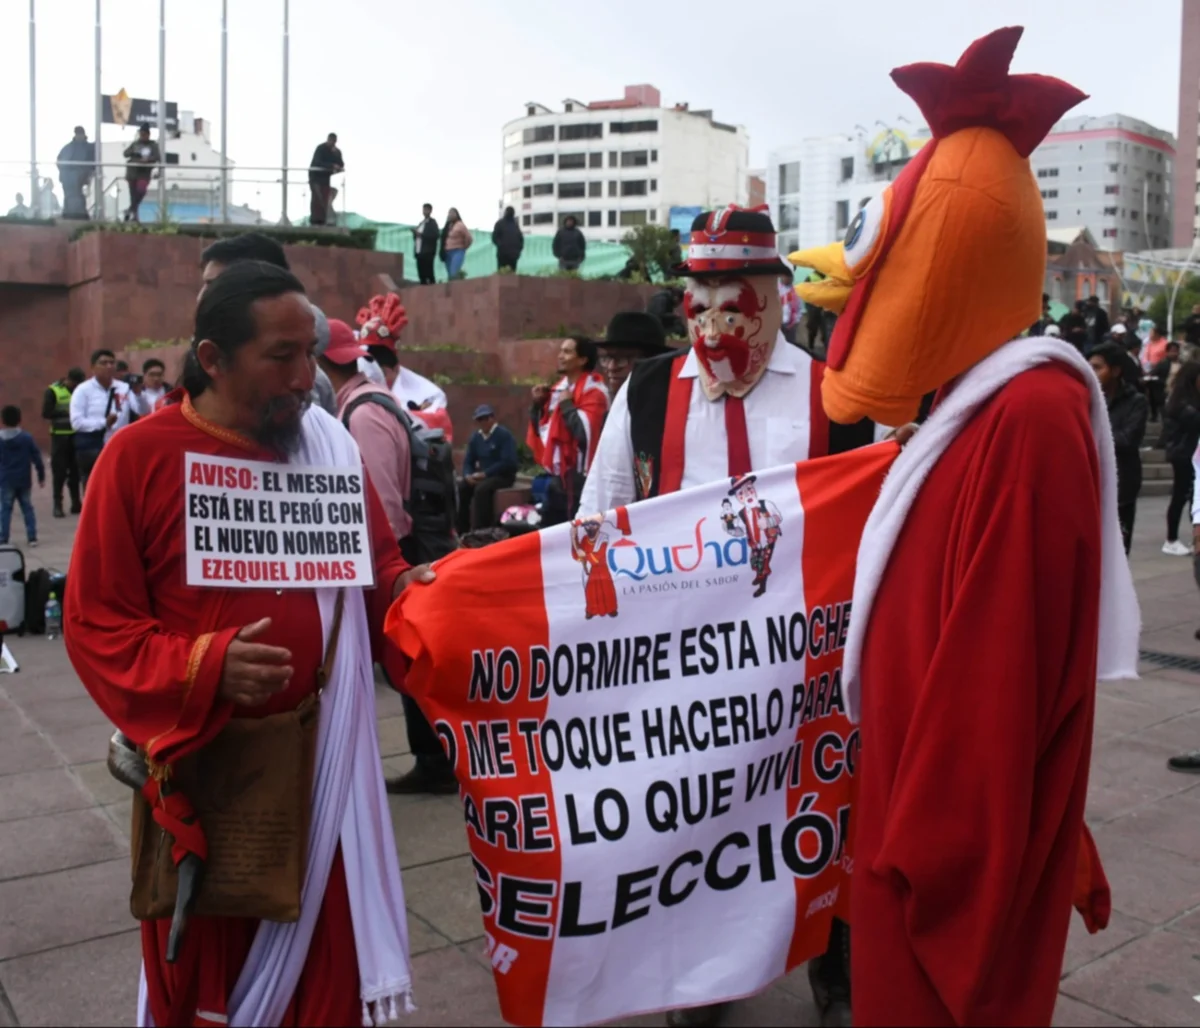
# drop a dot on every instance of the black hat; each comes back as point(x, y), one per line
point(736, 483)
point(733, 242)
point(636, 330)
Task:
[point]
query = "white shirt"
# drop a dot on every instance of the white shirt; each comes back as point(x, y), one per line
point(89, 402)
point(777, 423)
point(143, 403)
point(373, 371)
point(411, 386)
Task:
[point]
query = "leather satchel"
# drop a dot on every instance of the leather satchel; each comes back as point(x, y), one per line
point(251, 789)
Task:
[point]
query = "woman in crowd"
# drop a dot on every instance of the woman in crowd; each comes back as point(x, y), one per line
point(1127, 413)
point(1181, 435)
point(456, 240)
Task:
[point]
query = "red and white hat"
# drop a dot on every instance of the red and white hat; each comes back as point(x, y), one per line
point(731, 242)
point(382, 320)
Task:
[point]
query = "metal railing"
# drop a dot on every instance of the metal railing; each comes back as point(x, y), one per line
point(177, 193)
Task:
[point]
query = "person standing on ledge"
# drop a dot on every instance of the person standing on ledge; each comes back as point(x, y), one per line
point(326, 162)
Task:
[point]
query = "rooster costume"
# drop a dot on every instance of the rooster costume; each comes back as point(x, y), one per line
point(992, 588)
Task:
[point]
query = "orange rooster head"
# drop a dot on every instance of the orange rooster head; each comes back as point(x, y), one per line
point(947, 264)
point(382, 320)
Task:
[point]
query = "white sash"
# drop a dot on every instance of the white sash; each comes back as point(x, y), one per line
point(1120, 618)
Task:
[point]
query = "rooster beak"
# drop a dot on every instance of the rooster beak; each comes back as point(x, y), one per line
point(832, 291)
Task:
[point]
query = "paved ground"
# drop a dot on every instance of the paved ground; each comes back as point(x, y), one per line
point(69, 951)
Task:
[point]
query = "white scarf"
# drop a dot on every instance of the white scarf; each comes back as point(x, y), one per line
point(350, 806)
point(1120, 618)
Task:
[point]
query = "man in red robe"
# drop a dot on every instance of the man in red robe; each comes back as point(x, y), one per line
point(991, 588)
point(565, 423)
point(170, 663)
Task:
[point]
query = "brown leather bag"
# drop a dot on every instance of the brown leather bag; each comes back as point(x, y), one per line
point(251, 789)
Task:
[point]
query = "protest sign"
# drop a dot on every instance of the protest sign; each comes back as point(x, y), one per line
point(255, 525)
point(646, 714)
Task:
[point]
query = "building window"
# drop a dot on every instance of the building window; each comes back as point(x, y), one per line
point(1112, 147)
point(843, 215)
point(544, 189)
point(595, 189)
point(789, 241)
point(594, 218)
point(516, 166)
point(630, 218)
point(564, 215)
point(571, 190)
point(1052, 215)
point(847, 169)
point(633, 126)
point(654, 215)
point(654, 185)
point(544, 160)
point(634, 187)
point(593, 131)
point(541, 134)
point(526, 219)
point(789, 178)
point(595, 160)
point(612, 219)
point(635, 158)
point(572, 160)
point(653, 156)
point(1111, 190)
point(1110, 212)
point(1047, 173)
point(1110, 233)
point(612, 189)
point(527, 192)
point(789, 217)
point(545, 218)
point(528, 163)
point(613, 158)
point(1049, 194)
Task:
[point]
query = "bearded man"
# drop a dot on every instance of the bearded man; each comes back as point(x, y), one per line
point(758, 406)
point(171, 662)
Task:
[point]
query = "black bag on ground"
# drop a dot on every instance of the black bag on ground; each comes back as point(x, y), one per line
point(432, 497)
point(39, 584)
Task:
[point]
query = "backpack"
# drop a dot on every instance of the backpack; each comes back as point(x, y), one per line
point(433, 499)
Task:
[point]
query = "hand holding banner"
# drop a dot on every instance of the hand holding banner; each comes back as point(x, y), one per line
point(644, 709)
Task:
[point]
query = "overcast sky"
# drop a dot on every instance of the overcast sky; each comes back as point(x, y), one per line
point(419, 92)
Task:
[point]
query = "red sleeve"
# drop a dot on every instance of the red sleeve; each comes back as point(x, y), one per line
point(158, 687)
point(389, 565)
point(991, 787)
point(534, 441)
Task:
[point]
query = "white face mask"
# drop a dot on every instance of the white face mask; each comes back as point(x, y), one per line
point(733, 324)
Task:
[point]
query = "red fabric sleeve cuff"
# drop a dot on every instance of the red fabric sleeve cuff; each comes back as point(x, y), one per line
point(203, 714)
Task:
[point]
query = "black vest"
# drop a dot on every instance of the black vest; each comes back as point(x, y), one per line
point(646, 393)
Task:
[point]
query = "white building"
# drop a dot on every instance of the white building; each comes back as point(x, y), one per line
point(1112, 174)
point(193, 177)
point(815, 188)
point(614, 164)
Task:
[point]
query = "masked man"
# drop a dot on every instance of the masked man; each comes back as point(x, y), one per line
point(992, 587)
point(738, 398)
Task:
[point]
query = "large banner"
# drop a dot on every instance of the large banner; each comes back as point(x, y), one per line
point(646, 715)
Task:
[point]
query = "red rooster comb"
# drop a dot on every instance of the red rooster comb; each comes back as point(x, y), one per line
point(382, 318)
point(979, 91)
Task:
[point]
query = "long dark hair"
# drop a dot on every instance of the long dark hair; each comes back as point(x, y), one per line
point(1184, 393)
point(225, 316)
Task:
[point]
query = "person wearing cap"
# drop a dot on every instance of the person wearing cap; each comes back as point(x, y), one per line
point(632, 336)
point(380, 436)
point(737, 399)
point(490, 465)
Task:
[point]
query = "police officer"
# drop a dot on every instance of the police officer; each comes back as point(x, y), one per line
point(56, 408)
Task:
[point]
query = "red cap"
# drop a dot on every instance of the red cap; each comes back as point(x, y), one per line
point(344, 346)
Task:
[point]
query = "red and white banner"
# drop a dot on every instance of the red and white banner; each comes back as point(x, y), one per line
point(646, 716)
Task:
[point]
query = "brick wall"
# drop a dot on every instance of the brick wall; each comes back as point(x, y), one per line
point(35, 349)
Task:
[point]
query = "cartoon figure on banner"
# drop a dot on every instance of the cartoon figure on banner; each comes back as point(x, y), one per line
point(758, 522)
point(590, 548)
point(733, 524)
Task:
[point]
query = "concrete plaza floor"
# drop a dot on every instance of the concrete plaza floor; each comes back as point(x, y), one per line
point(69, 950)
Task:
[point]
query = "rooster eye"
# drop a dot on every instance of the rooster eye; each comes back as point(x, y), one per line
point(863, 233)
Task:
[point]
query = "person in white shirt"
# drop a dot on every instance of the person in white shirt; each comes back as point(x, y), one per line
point(144, 397)
point(99, 408)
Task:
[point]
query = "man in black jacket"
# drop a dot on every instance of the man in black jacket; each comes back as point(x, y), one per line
point(570, 247)
point(326, 162)
point(1127, 413)
point(1096, 319)
point(509, 240)
point(490, 465)
point(425, 244)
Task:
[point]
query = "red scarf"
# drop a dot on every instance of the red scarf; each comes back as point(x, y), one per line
point(553, 445)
